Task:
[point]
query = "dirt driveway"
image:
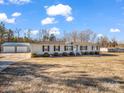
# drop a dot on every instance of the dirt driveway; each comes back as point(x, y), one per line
point(14, 56)
point(7, 59)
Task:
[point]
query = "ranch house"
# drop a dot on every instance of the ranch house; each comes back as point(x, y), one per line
point(61, 47)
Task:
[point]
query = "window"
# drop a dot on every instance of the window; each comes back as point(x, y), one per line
point(83, 47)
point(46, 48)
point(56, 48)
point(68, 48)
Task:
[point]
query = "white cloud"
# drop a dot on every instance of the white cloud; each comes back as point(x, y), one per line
point(54, 30)
point(48, 20)
point(19, 1)
point(69, 19)
point(60, 10)
point(10, 21)
point(100, 35)
point(1, 1)
point(4, 18)
point(115, 30)
point(16, 14)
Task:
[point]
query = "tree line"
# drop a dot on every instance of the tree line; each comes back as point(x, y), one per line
point(8, 35)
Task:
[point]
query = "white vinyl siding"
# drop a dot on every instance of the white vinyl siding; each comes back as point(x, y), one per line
point(53, 48)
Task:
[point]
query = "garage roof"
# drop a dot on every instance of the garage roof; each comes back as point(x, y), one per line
point(15, 44)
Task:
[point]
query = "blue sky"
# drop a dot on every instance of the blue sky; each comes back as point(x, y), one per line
point(105, 17)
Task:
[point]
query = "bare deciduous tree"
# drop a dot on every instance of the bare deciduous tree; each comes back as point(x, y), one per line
point(74, 36)
point(103, 41)
point(10, 35)
point(87, 36)
point(114, 42)
point(40, 35)
point(17, 32)
point(29, 33)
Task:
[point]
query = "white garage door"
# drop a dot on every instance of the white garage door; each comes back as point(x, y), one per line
point(8, 49)
point(22, 49)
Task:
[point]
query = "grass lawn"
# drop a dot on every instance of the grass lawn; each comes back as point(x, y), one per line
point(1, 56)
point(87, 74)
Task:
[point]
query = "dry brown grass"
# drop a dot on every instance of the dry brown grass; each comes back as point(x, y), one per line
point(89, 74)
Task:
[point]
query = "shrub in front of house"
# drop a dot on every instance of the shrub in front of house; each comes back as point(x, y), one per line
point(82, 53)
point(87, 53)
point(72, 54)
point(56, 54)
point(91, 53)
point(46, 55)
point(78, 54)
point(35, 55)
point(97, 53)
point(64, 54)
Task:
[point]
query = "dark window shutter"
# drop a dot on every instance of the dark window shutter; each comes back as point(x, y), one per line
point(65, 48)
point(59, 48)
point(80, 47)
point(48, 48)
point(54, 48)
point(43, 48)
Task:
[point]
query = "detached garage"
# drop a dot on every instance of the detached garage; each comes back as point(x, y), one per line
point(15, 47)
